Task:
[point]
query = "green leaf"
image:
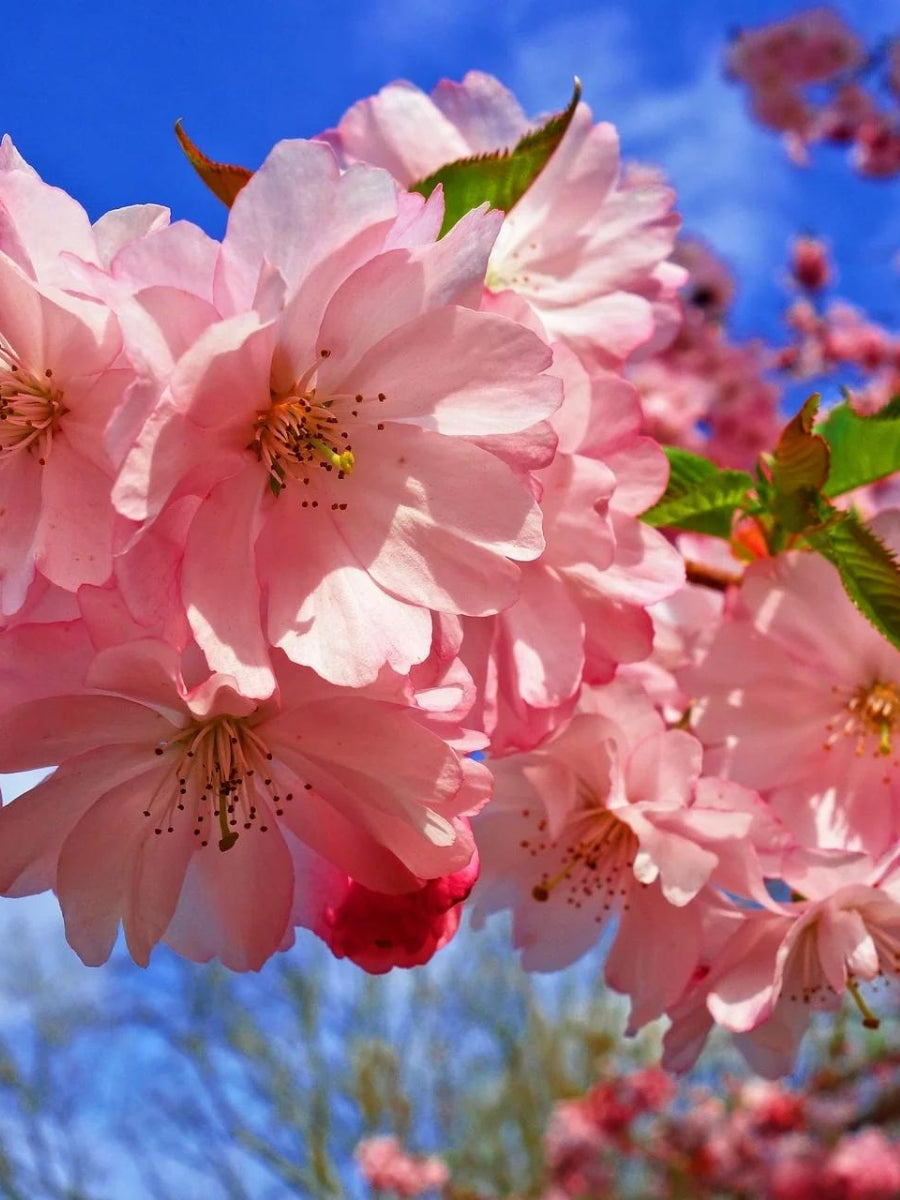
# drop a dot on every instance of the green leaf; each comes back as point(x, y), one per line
point(687, 470)
point(700, 496)
point(869, 571)
point(223, 179)
point(863, 449)
point(501, 178)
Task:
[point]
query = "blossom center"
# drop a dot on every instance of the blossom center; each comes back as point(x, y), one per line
point(510, 271)
point(306, 429)
point(598, 853)
point(869, 712)
point(30, 408)
point(221, 777)
point(806, 979)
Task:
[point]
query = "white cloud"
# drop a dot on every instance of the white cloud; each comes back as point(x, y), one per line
point(399, 32)
point(599, 47)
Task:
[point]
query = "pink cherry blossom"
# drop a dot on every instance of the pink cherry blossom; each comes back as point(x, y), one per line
point(347, 414)
point(810, 267)
point(175, 804)
point(771, 967)
point(608, 817)
point(848, 109)
point(876, 149)
point(574, 1150)
point(703, 376)
point(60, 385)
point(849, 336)
point(807, 47)
point(770, 1107)
point(782, 108)
point(710, 286)
point(386, 1166)
point(604, 303)
point(42, 228)
point(129, 250)
point(788, 708)
point(683, 627)
point(865, 1166)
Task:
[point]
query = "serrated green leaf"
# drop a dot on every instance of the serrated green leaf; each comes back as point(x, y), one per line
point(869, 570)
point(223, 179)
point(707, 509)
point(501, 178)
point(863, 448)
point(700, 496)
point(687, 470)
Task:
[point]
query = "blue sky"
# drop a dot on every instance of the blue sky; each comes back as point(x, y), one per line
point(91, 95)
point(91, 89)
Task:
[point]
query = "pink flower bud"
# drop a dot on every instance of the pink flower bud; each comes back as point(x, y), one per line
point(810, 267)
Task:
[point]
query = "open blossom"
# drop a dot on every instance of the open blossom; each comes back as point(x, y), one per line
point(175, 805)
point(59, 387)
point(789, 708)
point(608, 818)
point(56, 394)
point(617, 293)
point(330, 431)
point(81, 364)
point(793, 959)
point(843, 335)
point(766, 970)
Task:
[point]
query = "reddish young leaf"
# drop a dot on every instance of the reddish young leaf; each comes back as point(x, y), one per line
point(223, 179)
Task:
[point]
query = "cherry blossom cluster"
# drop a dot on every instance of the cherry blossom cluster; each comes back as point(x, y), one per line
point(828, 334)
point(632, 1134)
point(829, 337)
point(811, 78)
point(704, 391)
point(386, 1167)
point(752, 1138)
point(294, 523)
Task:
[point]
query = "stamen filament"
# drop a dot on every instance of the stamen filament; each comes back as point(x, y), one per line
point(869, 1020)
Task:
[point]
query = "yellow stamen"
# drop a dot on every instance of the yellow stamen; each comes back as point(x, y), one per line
point(872, 710)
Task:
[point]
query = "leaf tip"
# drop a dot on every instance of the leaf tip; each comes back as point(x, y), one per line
point(224, 180)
